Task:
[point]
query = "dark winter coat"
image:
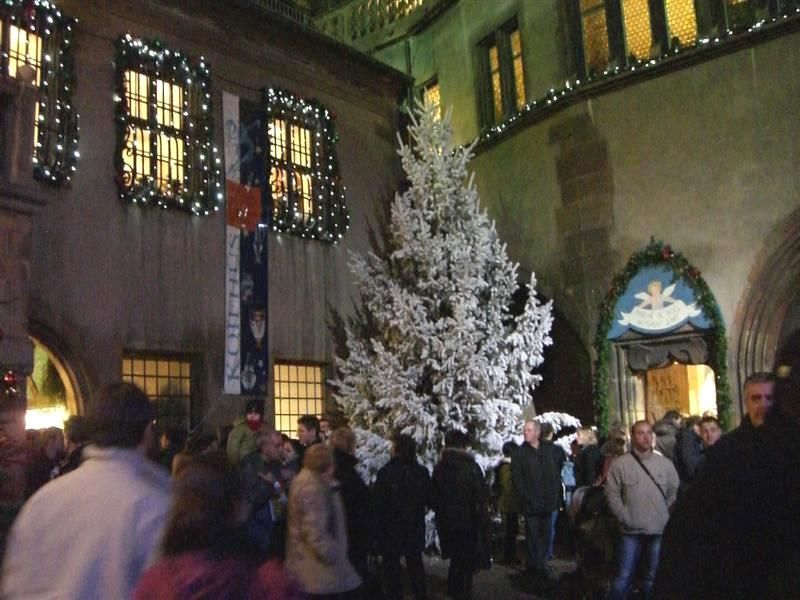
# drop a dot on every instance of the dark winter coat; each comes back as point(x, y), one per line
point(460, 498)
point(536, 473)
point(688, 455)
point(736, 533)
point(402, 493)
point(357, 509)
point(588, 465)
point(666, 435)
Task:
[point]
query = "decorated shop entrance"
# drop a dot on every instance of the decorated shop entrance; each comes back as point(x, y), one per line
point(660, 342)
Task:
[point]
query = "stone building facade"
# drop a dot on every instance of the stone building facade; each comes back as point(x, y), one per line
point(99, 288)
point(602, 126)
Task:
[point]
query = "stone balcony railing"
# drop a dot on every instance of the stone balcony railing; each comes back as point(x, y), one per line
point(370, 24)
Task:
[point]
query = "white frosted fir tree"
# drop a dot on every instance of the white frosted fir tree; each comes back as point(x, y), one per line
point(434, 346)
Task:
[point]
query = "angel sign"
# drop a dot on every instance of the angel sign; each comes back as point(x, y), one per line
point(654, 297)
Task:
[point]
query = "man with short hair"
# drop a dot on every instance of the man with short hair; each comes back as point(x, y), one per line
point(92, 532)
point(265, 490)
point(640, 489)
point(536, 473)
point(759, 395)
point(710, 431)
point(307, 434)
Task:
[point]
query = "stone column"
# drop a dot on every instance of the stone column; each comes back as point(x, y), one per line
point(20, 200)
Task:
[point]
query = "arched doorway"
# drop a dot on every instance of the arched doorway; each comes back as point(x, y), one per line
point(660, 342)
point(52, 393)
point(769, 312)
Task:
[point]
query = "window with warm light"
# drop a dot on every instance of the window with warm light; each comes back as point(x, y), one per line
point(305, 187)
point(165, 156)
point(504, 78)
point(638, 33)
point(167, 381)
point(432, 97)
point(595, 34)
point(681, 21)
point(36, 48)
point(298, 390)
point(620, 32)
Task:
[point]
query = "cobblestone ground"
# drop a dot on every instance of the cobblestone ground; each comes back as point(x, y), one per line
point(498, 583)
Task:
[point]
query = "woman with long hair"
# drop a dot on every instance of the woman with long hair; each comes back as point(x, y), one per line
point(205, 553)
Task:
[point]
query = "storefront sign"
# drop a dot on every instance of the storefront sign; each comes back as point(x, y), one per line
point(655, 302)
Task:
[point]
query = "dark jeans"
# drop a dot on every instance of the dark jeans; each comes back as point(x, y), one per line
point(537, 537)
point(392, 584)
point(510, 531)
point(462, 564)
point(631, 549)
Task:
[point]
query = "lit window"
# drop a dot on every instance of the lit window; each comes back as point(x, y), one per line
point(167, 381)
point(431, 96)
point(41, 40)
point(682, 21)
point(638, 33)
point(298, 390)
point(165, 155)
point(505, 79)
point(595, 35)
point(305, 187)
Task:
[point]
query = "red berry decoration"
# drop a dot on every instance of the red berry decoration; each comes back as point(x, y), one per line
point(666, 253)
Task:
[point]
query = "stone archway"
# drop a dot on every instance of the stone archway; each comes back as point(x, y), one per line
point(769, 310)
point(68, 367)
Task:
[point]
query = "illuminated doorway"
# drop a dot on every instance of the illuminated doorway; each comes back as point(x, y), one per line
point(688, 389)
point(50, 394)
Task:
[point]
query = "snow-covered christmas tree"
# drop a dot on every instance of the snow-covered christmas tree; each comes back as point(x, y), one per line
point(434, 346)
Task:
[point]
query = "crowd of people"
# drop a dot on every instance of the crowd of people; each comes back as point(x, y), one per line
point(669, 510)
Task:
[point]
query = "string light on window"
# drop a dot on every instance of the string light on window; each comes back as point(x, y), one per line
point(47, 37)
point(182, 129)
point(575, 90)
point(317, 212)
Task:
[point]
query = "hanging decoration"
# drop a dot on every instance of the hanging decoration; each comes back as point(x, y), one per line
point(659, 254)
point(201, 189)
point(48, 49)
point(578, 89)
point(326, 218)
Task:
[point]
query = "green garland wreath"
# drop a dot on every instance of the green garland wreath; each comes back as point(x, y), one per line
point(658, 253)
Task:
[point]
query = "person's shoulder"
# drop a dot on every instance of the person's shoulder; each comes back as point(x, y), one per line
point(275, 583)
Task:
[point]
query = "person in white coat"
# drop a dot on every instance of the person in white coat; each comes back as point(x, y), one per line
point(92, 532)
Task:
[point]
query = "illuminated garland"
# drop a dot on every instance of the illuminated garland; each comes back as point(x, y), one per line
point(55, 154)
point(331, 218)
point(657, 253)
point(201, 192)
point(574, 90)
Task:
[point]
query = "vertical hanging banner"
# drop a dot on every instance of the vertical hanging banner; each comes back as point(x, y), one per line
point(246, 357)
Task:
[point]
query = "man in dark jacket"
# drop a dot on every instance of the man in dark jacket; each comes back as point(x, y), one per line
point(265, 490)
point(536, 472)
point(355, 498)
point(735, 533)
point(666, 431)
point(402, 492)
point(460, 500)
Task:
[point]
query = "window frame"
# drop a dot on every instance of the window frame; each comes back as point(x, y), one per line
point(201, 189)
point(329, 218)
point(423, 89)
point(617, 38)
point(164, 356)
point(55, 153)
point(323, 399)
point(500, 39)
